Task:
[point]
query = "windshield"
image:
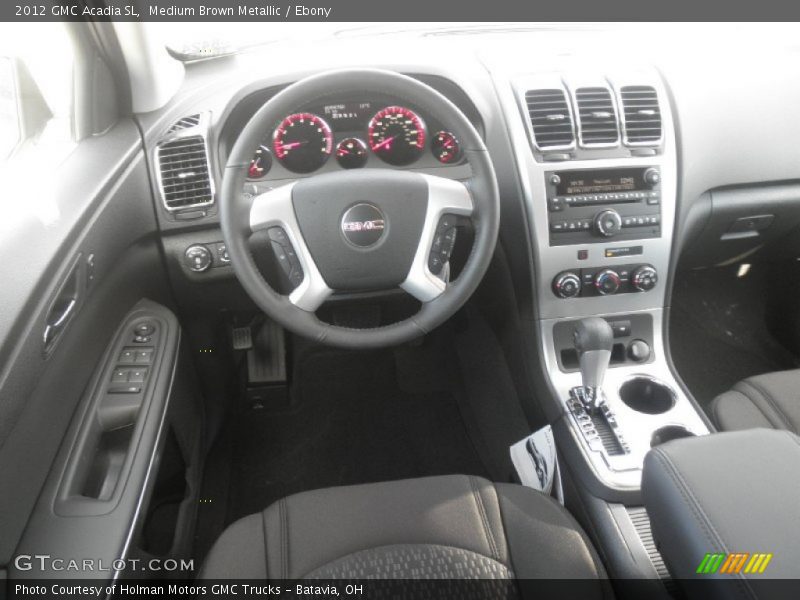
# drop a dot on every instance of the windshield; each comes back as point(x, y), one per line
point(200, 40)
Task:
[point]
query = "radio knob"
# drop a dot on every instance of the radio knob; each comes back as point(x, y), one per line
point(652, 177)
point(607, 282)
point(608, 223)
point(644, 278)
point(567, 285)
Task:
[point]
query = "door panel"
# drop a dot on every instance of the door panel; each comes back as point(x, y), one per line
point(101, 249)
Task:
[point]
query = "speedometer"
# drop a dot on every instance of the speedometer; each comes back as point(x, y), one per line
point(397, 135)
point(302, 142)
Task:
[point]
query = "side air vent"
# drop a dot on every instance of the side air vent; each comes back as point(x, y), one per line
point(551, 119)
point(642, 117)
point(597, 118)
point(185, 175)
point(184, 123)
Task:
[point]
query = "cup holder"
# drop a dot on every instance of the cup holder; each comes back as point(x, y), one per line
point(669, 433)
point(646, 395)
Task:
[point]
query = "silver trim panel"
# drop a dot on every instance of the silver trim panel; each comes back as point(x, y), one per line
point(201, 129)
point(617, 92)
point(274, 208)
point(445, 196)
point(624, 471)
point(552, 260)
point(580, 84)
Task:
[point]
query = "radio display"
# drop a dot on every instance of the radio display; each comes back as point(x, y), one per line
point(600, 182)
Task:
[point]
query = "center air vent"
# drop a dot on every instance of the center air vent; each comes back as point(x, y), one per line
point(185, 176)
point(642, 117)
point(597, 118)
point(551, 119)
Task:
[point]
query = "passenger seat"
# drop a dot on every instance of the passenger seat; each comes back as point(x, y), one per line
point(771, 400)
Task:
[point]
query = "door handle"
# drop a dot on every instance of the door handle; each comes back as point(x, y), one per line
point(64, 306)
point(57, 319)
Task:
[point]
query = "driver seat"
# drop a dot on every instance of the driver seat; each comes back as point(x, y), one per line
point(446, 527)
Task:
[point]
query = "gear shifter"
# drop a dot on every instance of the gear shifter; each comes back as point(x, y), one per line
point(593, 338)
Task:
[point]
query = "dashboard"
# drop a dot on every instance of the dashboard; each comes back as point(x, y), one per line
point(488, 78)
point(344, 131)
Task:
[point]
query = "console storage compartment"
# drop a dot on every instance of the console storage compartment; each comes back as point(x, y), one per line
point(725, 512)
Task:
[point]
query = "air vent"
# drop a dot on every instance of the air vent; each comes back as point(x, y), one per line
point(185, 177)
point(185, 123)
point(597, 119)
point(550, 118)
point(642, 116)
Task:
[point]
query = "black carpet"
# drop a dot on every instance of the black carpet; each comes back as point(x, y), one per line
point(354, 418)
point(719, 333)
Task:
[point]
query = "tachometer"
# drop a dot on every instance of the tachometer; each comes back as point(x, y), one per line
point(397, 135)
point(303, 142)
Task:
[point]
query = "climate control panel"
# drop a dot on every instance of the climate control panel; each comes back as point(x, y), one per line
point(605, 281)
point(590, 206)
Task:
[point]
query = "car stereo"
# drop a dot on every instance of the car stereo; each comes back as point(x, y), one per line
point(592, 205)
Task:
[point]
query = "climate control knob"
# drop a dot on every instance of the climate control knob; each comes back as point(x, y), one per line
point(644, 278)
point(608, 223)
point(607, 282)
point(567, 285)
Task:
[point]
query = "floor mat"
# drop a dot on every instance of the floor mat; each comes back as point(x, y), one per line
point(355, 418)
point(718, 331)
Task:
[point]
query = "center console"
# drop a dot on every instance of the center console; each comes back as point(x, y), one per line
point(598, 167)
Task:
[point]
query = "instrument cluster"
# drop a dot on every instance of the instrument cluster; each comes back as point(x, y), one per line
point(351, 135)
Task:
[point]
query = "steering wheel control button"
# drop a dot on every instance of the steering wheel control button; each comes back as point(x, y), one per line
point(286, 255)
point(363, 225)
point(607, 282)
point(608, 223)
point(444, 240)
point(197, 258)
point(567, 285)
point(644, 278)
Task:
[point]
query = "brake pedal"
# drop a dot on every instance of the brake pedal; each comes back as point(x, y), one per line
point(242, 338)
point(266, 359)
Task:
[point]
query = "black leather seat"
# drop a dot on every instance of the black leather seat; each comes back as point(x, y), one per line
point(453, 526)
point(771, 400)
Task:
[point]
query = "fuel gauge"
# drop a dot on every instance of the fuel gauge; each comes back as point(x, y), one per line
point(445, 147)
point(260, 163)
point(351, 153)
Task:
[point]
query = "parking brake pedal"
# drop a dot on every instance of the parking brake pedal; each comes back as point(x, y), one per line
point(266, 359)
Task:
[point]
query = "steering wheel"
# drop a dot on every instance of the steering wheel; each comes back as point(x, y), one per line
point(370, 229)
